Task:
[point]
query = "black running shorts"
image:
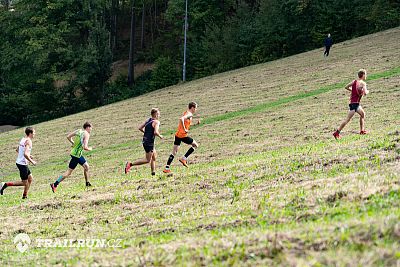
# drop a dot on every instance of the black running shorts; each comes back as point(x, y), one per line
point(148, 148)
point(23, 171)
point(354, 106)
point(187, 140)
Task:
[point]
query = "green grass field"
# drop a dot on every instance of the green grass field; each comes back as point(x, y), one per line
point(268, 186)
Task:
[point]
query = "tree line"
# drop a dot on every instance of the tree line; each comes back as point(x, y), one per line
point(56, 55)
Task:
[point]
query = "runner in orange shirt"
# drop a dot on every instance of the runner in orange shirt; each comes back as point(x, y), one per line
point(182, 136)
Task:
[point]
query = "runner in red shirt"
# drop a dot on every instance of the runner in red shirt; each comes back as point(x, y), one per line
point(358, 88)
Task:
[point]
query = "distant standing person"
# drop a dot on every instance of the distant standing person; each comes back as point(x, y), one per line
point(80, 142)
point(150, 129)
point(24, 157)
point(358, 88)
point(328, 42)
point(182, 136)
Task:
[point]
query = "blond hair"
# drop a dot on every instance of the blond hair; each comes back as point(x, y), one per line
point(361, 73)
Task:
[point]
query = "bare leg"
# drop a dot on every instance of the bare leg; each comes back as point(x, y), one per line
point(349, 116)
point(86, 171)
point(66, 174)
point(175, 150)
point(153, 162)
point(361, 111)
point(19, 183)
point(28, 184)
point(26, 187)
point(143, 161)
point(7, 184)
point(60, 179)
point(195, 144)
point(30, 179)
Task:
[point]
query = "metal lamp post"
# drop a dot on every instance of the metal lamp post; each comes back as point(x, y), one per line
point(184, 46)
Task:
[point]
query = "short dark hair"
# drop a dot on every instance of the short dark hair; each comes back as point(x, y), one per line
point(361, 73)
point(28, 130)
point(192, 105)
point(87, 124)
point(154, 111)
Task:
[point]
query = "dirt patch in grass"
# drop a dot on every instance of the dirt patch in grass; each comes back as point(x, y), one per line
point(95, 199)
point(45, 206)
point(336, 196)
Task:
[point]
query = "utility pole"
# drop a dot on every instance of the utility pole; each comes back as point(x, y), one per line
point(131, 67)
point(184, 46)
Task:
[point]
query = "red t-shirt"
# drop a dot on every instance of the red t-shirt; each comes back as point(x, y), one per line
point(356, 94)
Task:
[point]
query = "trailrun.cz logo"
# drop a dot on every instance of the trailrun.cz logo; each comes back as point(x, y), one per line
point(23, 242)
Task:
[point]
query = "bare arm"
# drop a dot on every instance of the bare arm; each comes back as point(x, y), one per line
point(198, 120)
point(70, 136)
point(157, 129)
point(364, 89)
point(141, 127)
point(27, 153)
point(348, 86)
point(86, 142)
point(182, 120)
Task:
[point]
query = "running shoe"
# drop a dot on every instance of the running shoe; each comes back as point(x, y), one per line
point(1, 188)
point(53, 188)
point(336, 135)
point(127, 167)
point(184, 162)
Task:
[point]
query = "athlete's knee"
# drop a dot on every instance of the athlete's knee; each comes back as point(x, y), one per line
point(195, 144)
point(86, 167)
point(30, 179)
point(68, 172)
point(25, 182)
point(147, 159)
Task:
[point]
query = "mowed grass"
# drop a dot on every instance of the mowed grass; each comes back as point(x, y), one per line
point(268, 186)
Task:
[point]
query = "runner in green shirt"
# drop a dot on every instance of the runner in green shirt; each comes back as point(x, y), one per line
point(79, 140)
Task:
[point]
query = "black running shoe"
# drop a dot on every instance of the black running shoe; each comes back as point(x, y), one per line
point(53, 188)
point(2, 187)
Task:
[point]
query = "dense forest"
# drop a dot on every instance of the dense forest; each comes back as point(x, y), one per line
point(56, 56)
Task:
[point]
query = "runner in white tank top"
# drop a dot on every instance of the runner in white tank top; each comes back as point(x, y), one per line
point(24, 157)
point(21, 160)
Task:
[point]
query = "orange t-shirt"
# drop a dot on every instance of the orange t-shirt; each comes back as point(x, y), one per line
point(181, 131)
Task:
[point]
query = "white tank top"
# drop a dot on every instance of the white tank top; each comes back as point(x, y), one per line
point(21, 160)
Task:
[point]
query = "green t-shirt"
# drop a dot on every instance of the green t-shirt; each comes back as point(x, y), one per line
point(77, 149)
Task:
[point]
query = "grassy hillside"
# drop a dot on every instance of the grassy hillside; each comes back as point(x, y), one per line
point(268, 186)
